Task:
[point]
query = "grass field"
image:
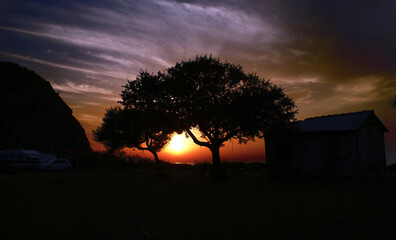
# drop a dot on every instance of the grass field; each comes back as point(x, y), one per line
point(127, 204)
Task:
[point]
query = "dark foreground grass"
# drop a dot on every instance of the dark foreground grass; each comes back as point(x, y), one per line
point(125, 204)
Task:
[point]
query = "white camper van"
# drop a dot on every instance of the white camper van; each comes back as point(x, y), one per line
point(25, 158)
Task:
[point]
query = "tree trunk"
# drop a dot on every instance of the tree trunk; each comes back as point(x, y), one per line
point(157, 163)
point(215, 157)
point(217, 172)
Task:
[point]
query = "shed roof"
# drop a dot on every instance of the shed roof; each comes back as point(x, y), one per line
point(338, 122)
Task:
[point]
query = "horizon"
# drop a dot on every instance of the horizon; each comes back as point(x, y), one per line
point(338, 60)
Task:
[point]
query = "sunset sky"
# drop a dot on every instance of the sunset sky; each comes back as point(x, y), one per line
point(329, 56)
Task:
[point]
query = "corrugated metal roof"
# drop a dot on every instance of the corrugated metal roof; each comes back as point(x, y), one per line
point(338, 122)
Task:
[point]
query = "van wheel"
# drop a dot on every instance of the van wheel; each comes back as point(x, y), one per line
point(47, 169)
point(68, 169)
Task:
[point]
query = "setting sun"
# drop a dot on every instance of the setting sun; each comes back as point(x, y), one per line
point(180, 145)
point(177, 143)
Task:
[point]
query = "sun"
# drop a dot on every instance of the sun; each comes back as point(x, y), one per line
point(180, 145)
point(177, 143)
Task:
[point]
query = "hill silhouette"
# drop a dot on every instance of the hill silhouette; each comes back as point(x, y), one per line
point(34, 116)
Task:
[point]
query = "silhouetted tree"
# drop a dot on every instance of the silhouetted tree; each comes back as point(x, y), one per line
point(132, 128)
point(109, 133)
point(218, 99)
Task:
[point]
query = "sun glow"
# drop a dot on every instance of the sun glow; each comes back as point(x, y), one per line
point(180, 144)
point(182, 148)
point(177, 144)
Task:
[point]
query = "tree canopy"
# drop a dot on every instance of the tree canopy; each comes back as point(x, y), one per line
point(218, 99)
point(144, 130)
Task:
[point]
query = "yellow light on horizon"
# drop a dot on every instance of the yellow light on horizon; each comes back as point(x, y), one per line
point(177, 143)
point(180, 145)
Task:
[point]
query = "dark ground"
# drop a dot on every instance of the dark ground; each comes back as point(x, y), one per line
point(129, 204)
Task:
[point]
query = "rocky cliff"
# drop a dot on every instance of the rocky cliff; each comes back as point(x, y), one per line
point(34, 116)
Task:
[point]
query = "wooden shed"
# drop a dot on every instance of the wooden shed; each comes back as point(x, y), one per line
point(343, 144)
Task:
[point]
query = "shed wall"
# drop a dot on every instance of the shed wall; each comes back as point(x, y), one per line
point(372, 149)
point(331, 153)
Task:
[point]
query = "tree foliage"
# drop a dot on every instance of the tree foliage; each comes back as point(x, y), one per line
point(223, 102)
point(144, 130)
point(108, 133)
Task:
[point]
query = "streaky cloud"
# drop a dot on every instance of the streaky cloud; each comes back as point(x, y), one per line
point(48, 63)
point(72, 87)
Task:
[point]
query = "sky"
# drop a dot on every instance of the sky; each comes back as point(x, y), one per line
point(329, 56)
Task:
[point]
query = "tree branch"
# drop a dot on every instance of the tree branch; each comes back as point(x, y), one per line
point(143, 148)
point(230, 134)
point(196, 141)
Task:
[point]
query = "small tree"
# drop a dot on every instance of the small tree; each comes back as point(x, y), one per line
point(109, 133)
point(134, 129)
